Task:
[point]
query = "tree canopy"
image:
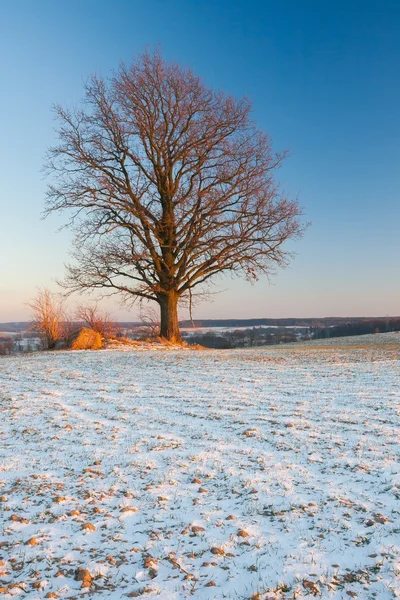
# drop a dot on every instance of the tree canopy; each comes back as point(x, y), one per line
point(169, 183)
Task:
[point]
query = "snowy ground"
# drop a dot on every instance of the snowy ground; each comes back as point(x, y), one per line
point(264, 474)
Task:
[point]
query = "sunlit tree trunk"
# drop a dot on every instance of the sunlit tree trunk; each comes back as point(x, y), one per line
point(169, 328)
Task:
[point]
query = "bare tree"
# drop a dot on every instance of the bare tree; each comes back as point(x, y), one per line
point(96, 319)
point(49, 318)
point(168, 184)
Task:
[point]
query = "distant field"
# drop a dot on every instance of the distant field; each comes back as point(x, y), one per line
point(264, 474)
point(368, 340)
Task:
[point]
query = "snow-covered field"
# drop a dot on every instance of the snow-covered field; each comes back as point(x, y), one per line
point(264, 474)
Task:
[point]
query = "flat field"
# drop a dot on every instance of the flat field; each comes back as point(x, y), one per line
point(257, 474)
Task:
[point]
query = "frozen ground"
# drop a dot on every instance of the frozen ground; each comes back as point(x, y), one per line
point(264, 474)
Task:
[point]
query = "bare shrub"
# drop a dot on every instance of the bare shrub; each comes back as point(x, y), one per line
point(6, 347)
point(95, 318)
point(150, 322)
point(49, 317)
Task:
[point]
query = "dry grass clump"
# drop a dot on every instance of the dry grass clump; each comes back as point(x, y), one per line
point(87, 339)
point(149, 344)
point(179, 344)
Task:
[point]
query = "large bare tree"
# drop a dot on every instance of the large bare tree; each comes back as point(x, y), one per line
point(169, 183)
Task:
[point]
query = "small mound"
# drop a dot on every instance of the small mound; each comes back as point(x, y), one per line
point(87, 339)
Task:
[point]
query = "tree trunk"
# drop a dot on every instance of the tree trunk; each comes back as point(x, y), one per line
point(169, 317)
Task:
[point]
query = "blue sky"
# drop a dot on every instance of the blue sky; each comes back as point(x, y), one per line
point(324, 81)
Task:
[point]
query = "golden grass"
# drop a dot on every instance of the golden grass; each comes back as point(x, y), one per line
point(87, 339)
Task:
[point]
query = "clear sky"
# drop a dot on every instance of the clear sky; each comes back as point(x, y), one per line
point(324, 81)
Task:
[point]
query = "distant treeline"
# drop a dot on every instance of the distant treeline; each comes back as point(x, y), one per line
point(288, 322)
point(244, 338)
point(312, 323)
point(263, 336)
point(378, 325)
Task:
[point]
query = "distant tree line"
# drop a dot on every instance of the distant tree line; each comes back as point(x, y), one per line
point(357, 328)
point(266, 336)
point(242, 338)
point(232, 323)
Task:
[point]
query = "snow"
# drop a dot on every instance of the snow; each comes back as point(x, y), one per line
point(284, 460)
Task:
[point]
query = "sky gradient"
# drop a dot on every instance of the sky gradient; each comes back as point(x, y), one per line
point(324, 81)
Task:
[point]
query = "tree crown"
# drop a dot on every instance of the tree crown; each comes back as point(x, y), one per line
point(169, 183)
